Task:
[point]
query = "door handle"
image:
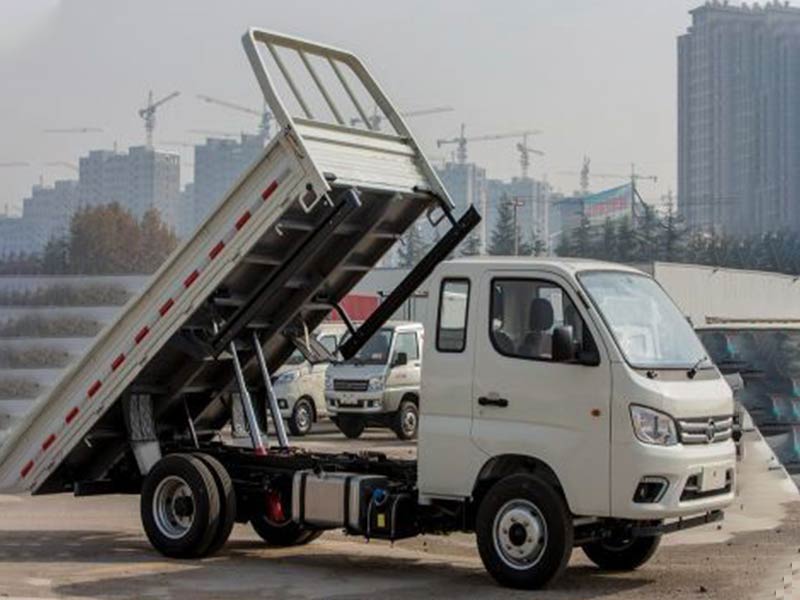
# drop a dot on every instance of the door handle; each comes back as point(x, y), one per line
point(484, 401)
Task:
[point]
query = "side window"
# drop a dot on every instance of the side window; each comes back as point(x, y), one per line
point(524, 314)
point(407, 342)
point(451, 331)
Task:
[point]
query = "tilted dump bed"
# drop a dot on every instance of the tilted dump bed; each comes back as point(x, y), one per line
point(324, 202)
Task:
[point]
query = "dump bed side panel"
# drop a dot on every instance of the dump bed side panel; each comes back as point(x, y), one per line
point(87, 389)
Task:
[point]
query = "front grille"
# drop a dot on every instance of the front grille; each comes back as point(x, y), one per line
point(350, 385)
point(704, 430)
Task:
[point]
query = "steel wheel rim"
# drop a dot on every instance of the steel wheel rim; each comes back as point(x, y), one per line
point(520, 534)
point(174, 507)
point(303, 417)
point(409, 421)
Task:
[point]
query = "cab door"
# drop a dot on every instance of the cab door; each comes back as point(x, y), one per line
point(404, 377)
point(524, 402)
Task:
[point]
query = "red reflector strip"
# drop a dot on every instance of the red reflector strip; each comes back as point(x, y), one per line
point(117, 362)
point(191, 278)
point(95, 387)
point(165, 308)
point(71, 415)
point(49, 441)
point(142, 334)
point(26, 469)
point(270, 188)
point(216, 250)
point(242, 220)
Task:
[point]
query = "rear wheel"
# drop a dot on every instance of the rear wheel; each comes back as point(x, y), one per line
point(351, 427)
point(274, 525)
point(302, 419)
point(406, 420)
point(227, 498)
point(524, 532)
point(622, 554)
point(180, 507)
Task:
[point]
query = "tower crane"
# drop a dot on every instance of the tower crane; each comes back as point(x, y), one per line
point(376, 119)
point(148, 113)
point(461, 144)
point(16, 163)
point(74, 130)
point(62, 163)
point(265, 125)
point(214, 133)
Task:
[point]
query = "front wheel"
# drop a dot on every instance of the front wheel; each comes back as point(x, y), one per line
point(622, 554)
point(302, 419)
point(524, 532)
point(351, 427)
point(406, 420)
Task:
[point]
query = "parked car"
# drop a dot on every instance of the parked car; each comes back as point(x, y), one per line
point(379, 386)
point(300, 386)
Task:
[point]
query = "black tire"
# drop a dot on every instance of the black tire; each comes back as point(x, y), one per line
point(227, 497)
point(164, 504)
point(288, 534)
point(622, 554)
point(536, 544)
point(351, 427)
point(302, 420)
point(405, 422)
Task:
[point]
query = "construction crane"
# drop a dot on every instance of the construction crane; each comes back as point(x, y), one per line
point(461, 142)
point(525, 154)
point(61, 163)
point(74, 130)
point(265, 125)
point(376, 118)
point(148, 113)
point(16, 163)
point(213, 133)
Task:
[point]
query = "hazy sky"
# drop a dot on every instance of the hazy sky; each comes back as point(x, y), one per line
point(599, 78)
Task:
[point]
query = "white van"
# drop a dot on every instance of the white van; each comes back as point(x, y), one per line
point(379, 386)
point(300, 386)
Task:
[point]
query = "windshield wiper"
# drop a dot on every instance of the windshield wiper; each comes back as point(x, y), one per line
point(692, 372)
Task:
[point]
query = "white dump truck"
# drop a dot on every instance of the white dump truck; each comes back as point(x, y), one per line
point(379, 385)
point(552, 418)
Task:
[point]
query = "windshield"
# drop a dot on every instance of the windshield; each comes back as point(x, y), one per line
point(375, 351)
point(649, 329)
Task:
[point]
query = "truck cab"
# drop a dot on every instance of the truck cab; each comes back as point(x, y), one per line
point(300, 385)
point(582, 374)
point(379, 385)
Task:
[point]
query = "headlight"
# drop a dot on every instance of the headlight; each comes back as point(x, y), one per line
point(287, 377)
point(376, 384)
point(328, 383)
point(653, 427)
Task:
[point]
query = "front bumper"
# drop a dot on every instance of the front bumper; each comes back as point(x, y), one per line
point(362, 403)
point(696, 479)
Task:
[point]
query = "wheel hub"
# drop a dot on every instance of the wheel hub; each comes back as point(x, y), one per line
point(520, 534)
point(173, 507)
point(409, 421)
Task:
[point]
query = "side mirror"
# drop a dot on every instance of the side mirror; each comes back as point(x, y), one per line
point(400, 359)
point(563, 346)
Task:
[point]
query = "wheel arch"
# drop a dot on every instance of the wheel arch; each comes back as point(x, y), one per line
point(499, 467)
point(412, 396)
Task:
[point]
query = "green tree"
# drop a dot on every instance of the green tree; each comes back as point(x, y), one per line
point(501, 240)
point(157, 241)
point(471, 246)
point(412, 247)
point(55, 258)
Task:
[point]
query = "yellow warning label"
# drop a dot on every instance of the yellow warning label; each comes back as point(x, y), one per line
point(381, 520)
